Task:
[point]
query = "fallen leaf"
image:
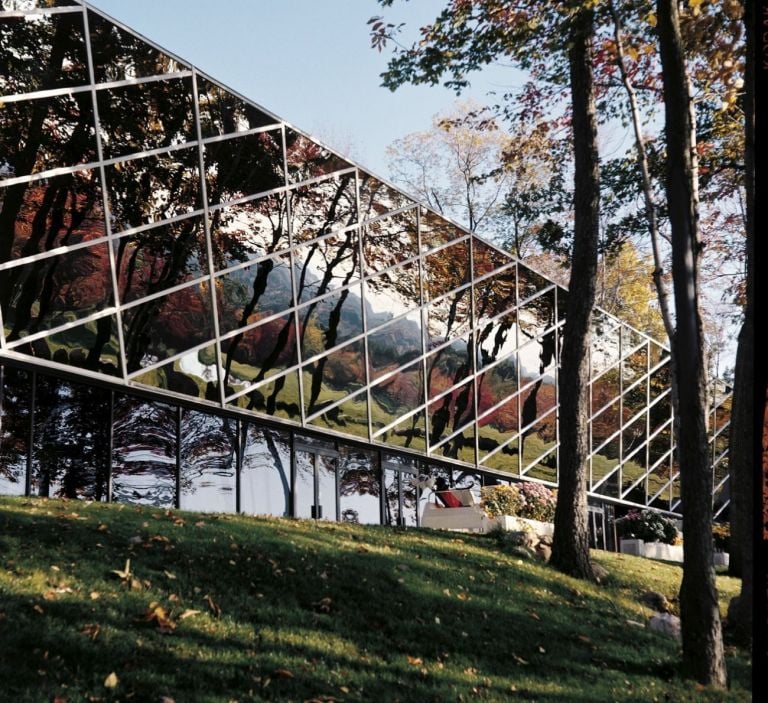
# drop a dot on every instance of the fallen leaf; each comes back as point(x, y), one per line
point(160, 617)
point(519, 660)
point(188, 614)
point(102, 527)
point(125, 574)
point(38, 609)
point(111, 680)
point(535, 616)
point(323, 605)
point(95, 595)
point(169, 575)
point(283, 674)
point(49, 595)
point(415, 661)
point(215, 609)
point(542, 650)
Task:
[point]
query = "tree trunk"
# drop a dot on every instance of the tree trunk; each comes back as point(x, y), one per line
point(703, 656)
point(570, 548)
point(742, 445)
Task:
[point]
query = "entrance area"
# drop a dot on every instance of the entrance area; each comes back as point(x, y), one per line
point(316, 488)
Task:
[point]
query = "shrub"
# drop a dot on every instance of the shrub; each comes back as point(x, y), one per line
point(721, 534)
point(648, 526)
point(527, 500)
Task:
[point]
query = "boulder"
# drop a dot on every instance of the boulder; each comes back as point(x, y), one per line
point(665, 624)
point(543, 551)
point(656, 601)
point(600, 573)
point(522, 538)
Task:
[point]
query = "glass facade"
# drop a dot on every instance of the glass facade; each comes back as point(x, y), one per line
point(161, 234)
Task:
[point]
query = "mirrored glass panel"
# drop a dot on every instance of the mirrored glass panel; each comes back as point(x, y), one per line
point(446, 270)
point(496, 339)
point(315, 490)
point(634, 435)
point(326, 264)
point(221, 112)
point(497, 384)
point(605, 460)
point(610, 486)
point(392, 294)
point(450, 413)
point(308, 159)
point(537, 316)
point(153, 188)
point(537, 358)
point(46, 133)
point(377, 198)
point(506, 459)
point(397, 395)
point(400, 498)
point(248, 231)
point(144, 456)
point(394, 346)
point(193, 374)
point(389, 241)
point(160, 258)
point(630, 340)
point(55, 290)
point(350, 417)
point(325, 323)
point(93, 346)
point(247, 295)
point(605, 389)
point(41, 52)
point(410, 433)
point(244, 166)
point(323, 207)
point(333, 377)
point(449, 318)
point(486, 258)
point(604, 351)
point(468, 480)
point(15, 399)
point(258, 353)
point(538, 440)
point(634, 366)
point(495, 428)
point(209, 445)
point(26, 5)
point(265, 475)
point(436, 231)
point(529, 283)
point(276, 398)
point(50, 213)
point(119, 55)
point(71, 447)
point(135, 118)
point(448, 367)
point(495, 295)
point(166, 326)
point(359, 488)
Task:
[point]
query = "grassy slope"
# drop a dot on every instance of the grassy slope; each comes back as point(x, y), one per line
point(316, 611)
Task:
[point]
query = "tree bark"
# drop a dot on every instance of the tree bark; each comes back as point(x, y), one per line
point(570, 548)
point(741, 445)
point(703, 656)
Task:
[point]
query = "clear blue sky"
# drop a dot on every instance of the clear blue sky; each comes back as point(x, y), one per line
point(308, 61)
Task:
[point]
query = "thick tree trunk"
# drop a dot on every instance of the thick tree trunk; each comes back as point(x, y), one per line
point(741, 453)
point(570, 548)
point(703, 656)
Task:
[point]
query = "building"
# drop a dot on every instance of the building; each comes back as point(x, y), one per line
point(204, 307)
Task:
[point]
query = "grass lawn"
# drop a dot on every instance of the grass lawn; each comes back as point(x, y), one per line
point(233, 608)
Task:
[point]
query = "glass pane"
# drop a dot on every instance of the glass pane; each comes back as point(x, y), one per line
point(120, 55)
point(447, 270)
point(325, 323)
point(496, 340)
point(604, 352)
point(393, 346)
point(495, 295)
point(46, 133)
point(307, 159)
point(610, 486)
point(244, 166)
point(147, 116)
point(538, 440)
point(634, 366)
point(143, 463)
point(248, 231)
point(70, 458)
point(529, 283)
point(193, 374)
point(265, 475)
point(377, 197)
point(247, 295)
point(221, 112)
point(258, 353)
point(397, 395)
point(153, 189)
point(392, 294)
point(461, 446)
point(277, 398)
point(659, 446)
point(50, 213)
point(634, 435)
point(389, 241)
point(604, 461)
point(350, 417)
point(359, 488)
point(448, 367)
point(450, 412)
point(506, 459)
point(41, 52)
point(322, 207)
point(449, 318)
point(630, 340)
point(436, 231)
point(498, 426)
point(160, 258)
point(326, 264)
point(93, 346)
point(537, 315)
point(55, 291)
point(605, 389)
point(722, 415)
point(486, 258)
point(165, 326)
point(15, 395)
point(208, 463)
point(410, 433)
point(605, 424)
point(333, 376)
point(660, 381)
point(537, 358)
point(469, 481)
point(496, 385)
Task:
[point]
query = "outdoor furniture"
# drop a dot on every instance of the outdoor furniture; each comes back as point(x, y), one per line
point(459, 511)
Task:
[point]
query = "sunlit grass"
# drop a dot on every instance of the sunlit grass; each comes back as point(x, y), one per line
point(287, 610)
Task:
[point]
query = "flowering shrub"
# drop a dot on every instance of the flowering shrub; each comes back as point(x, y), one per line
point(721, 534)
point(648, 526)
point(527, 500)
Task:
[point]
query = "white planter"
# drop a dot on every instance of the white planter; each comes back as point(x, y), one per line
point(512, 523)
point(722, 559)
point(659, 550)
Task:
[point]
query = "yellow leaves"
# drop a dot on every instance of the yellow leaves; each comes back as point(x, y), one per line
point(633, 53)
point(125, 574)
point(111, 681)
point(160, 617)
point(415, 661)
point(188, 614)
point(651, 19)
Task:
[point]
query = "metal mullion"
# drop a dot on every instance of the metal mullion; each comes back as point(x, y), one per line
point(143, 80)
point(208, 241)
point(227, 136)
point(336, 403)
point(400, 419)
point(42, 11)
point(389, 213)
point(147, 153)
point(518, 369)
point(177, 500)
point(31, 435)
point(163, 293)
point(105, 198)
point(48, 173)
point(321, 178)
point(647, 447)
point(42, 94)
point(424, 322)
point(50, 253)
point(241, 429)
point(10, 346)
point(2, 332)
point(110, 444)
point(167, 360)
point(496, 450)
